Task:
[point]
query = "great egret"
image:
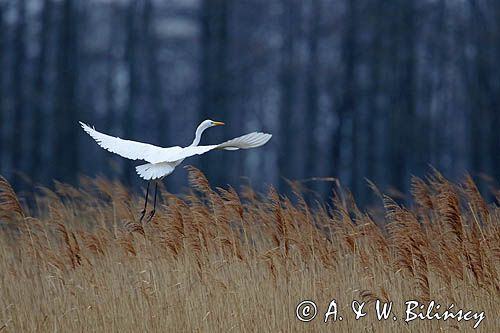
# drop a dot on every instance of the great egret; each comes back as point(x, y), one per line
point(163, 161)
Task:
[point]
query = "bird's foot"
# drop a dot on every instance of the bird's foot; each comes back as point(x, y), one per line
point(151, 214)
point(143, 213)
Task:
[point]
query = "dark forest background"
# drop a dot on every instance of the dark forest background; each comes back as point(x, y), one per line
point(352, 89)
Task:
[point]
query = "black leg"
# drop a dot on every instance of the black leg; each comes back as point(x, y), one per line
point(145, 204)
point(154, 205)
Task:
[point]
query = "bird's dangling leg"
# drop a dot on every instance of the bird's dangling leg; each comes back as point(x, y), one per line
point(145, 204)
point(154, 204)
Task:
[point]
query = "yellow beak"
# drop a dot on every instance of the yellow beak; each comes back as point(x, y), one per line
point(218, 123)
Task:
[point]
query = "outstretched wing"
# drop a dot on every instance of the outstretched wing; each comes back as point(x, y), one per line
point(131, 149)
point(251, 140)
point(153, 154)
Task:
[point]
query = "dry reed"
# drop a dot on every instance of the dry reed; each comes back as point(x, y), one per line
point(213, 260)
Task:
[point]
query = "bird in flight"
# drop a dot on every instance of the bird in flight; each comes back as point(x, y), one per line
point(161, 162)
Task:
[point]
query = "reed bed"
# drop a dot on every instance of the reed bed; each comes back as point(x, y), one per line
point(221, 260)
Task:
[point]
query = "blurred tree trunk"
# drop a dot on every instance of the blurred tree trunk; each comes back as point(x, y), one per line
point(344, 110)
point(477, 80)
point(110, 119)
point(431, 147)
point(403, 110)
point(2, 84)
point(495, 110)
point(409, 103)
point(482, 83)
point(17, 139)
point(214, 76)
point(39, 115)
point(287, 82)
point(375, 65)
point(154, 80)
point(111, 110)
point(131, 49)
point(66, 149)
point(312, 91)
point(205, 61)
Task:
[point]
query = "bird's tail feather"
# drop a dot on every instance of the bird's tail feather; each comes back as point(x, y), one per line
point(152, 171)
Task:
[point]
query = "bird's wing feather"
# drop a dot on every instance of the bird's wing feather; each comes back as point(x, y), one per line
point(251, 140)
point(131, 149)
point(143, 151)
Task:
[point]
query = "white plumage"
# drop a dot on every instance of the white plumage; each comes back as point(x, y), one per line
point(162, 161)
point(151, 171)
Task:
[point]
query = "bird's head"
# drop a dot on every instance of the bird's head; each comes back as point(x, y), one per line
point(215, 123)
point(202, 127)
point(209, 123)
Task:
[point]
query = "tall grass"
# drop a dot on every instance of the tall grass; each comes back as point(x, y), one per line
point(214, 260)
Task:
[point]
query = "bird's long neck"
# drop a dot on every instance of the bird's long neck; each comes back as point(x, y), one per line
point(197, 138)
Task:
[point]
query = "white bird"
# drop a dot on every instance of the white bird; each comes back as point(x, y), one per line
point(163, 161)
